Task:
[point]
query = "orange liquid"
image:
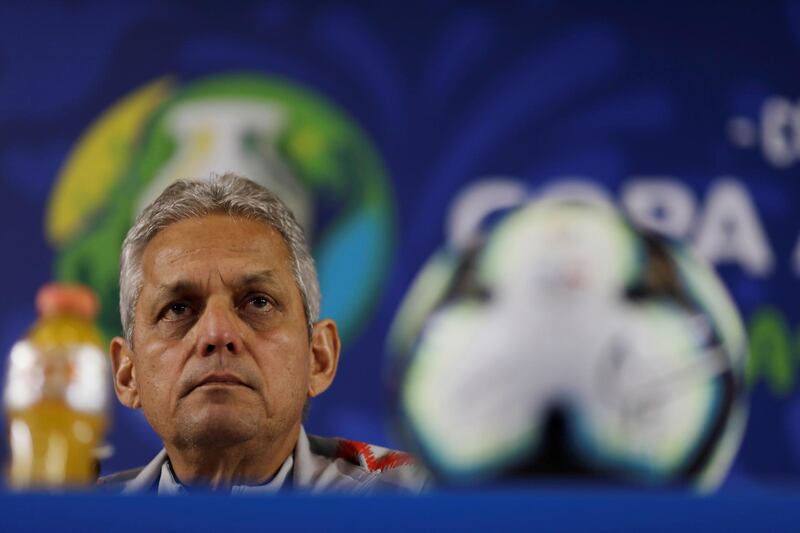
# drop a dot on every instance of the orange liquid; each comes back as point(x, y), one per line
point(63, 330)
point(52, 444)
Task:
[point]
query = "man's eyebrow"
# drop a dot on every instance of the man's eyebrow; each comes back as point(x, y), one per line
point(177, 288)
point(265, 276)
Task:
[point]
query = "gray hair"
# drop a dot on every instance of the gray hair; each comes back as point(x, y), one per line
point(229, 194)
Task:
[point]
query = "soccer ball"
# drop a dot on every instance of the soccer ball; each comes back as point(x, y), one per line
point(567, 342)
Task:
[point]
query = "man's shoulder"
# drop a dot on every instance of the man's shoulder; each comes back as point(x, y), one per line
point(140, 479)
point(118, 480)
point(372, 468)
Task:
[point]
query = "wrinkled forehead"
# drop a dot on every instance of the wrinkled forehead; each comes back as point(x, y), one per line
point(221, 244)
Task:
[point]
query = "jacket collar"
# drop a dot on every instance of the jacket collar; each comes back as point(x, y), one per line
point(305, 468)
point(147, 479)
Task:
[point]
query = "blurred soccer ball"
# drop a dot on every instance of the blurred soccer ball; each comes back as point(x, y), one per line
point(567, 342)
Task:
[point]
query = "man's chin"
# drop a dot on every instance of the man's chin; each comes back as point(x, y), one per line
point(213, 434)
point(218, 424)
point(223, 398)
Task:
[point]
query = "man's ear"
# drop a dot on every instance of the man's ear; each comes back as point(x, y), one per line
point(124, 373)
point(324, 351)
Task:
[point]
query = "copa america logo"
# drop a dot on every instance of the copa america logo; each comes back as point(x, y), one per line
point(281, 135)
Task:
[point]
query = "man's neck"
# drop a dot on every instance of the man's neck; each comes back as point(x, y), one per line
point(220, 468)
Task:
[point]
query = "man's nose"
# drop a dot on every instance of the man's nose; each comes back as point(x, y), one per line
point(217, 330)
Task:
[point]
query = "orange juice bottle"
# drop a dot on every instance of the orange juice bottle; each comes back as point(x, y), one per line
point(57, 393)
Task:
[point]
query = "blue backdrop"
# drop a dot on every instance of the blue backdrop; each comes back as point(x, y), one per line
point(687, 114)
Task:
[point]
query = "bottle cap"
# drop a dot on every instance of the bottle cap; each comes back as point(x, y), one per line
point(72, 299)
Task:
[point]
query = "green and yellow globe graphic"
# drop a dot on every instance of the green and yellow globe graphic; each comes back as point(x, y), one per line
point(281, 135)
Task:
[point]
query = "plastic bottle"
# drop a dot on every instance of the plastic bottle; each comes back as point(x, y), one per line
point(57, 393)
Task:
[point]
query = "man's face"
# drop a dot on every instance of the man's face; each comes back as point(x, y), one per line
point(221, 352)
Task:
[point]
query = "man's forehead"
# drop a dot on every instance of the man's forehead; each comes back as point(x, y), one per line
point(235, 248)
point(263, 276)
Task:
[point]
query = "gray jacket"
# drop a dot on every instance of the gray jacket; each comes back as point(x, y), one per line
point(317, 465)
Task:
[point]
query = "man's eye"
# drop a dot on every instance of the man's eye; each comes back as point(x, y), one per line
point(259, 302)
point(177, 310)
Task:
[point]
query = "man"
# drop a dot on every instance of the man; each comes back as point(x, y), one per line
point(223, 349)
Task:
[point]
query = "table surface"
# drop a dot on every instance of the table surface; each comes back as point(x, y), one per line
point(545, 509)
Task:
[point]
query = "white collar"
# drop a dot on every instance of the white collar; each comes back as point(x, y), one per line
point(168, 484)
point(153, 474)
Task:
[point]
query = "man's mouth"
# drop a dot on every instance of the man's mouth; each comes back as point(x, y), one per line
point(221, 379)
